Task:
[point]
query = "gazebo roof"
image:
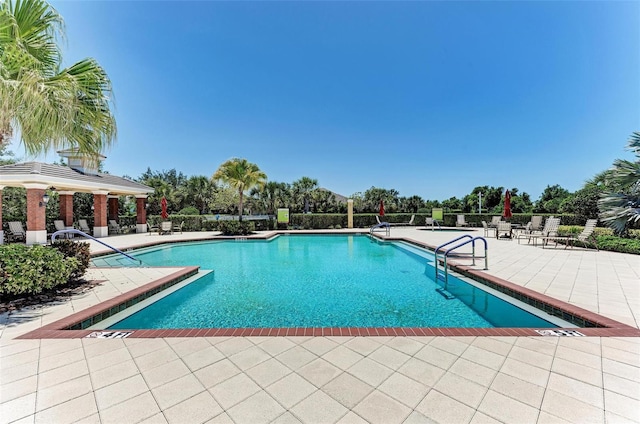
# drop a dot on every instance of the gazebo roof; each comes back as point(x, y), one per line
point(64, 178)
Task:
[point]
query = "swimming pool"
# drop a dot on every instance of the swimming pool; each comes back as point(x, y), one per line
point(317, 281)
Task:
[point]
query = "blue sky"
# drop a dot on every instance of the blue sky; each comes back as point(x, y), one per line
point(428, 98)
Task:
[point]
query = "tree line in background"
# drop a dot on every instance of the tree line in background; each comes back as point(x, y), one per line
point(612, 195)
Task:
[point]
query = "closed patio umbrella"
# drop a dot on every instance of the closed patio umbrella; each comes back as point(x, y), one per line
point(163, 204)
point(381, 207)
point(507, 205)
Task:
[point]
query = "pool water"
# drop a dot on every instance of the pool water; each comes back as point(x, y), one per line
point(316, 281)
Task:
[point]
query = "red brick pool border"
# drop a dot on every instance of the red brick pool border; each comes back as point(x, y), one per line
point(594, 324)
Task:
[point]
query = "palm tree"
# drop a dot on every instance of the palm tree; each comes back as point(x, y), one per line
point(198, 190)
point(50, 107)
point(621, 209)
point(241, 175)
point(303, 188)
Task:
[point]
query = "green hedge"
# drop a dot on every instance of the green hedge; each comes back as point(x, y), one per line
point(33, 269)
point(234, 228)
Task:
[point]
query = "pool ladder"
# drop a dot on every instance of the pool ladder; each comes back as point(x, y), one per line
point(444, 275)
point(385, 225)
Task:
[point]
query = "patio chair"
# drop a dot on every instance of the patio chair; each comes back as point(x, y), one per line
point(177, 227)
point(403, 224)
point(494, 221)
point(59, 225)
point(84, 227)
point(536, 223)
point(166, 227)
point(114, 227)
point(486, 228)
point(505, 229)
point(460, 221)
point(550, 230)
point(16, 232)
point(583, 237)
point(152, 228)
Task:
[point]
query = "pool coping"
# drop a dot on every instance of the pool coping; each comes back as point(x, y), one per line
point(73, 325)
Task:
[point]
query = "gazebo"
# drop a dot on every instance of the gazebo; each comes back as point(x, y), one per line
point(80, 175)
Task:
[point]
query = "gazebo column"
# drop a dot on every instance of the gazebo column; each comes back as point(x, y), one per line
point(100, 226)
point(1, 230)
point(36, 216)
point(141, 214)
point(113, 207)
point(66, 208)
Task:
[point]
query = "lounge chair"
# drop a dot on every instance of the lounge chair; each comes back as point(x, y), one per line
point(16, 232)
point(152, 228)
point(486, 228)
point(166, 227)
point(494, 221)
point(177, 227)
point(460, 221)
point(59, 224)
point(378, 219)
point(550, 230)
point(84, 227)
point(114, 227)
point(583, 237)
point(403, 224)
point(536, 223)
point(504, 228)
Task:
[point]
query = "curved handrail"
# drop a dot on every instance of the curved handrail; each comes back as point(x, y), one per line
point(451, 241)
point(74, 231)
point(473, 254)
point(380, 225)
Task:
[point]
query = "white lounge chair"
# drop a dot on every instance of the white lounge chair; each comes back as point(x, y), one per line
point(504, 228)
point(550, 230)
point(583, 237)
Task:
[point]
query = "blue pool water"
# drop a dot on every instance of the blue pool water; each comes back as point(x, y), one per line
point(316, 281)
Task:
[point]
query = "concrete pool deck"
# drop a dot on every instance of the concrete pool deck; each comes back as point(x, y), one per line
point(338, 379)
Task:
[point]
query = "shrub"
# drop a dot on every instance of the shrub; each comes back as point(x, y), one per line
point(619, 244)
point(189, 210)
point(232, 228)
point(32, 269)
point(78, 250)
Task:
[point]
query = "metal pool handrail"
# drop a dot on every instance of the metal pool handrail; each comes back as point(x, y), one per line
point(473, 254)
point(382, 224)
point(74, 231)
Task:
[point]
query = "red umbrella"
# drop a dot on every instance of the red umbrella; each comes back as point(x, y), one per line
point(381, 207)
point(507, 205)
point(164, 213)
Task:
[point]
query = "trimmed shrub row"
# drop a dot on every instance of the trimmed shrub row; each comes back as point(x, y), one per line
point(28, 270)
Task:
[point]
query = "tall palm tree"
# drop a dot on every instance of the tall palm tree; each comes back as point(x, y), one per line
point(303, 188)
point(242, 175)
point(621, 209)
point(49, 106)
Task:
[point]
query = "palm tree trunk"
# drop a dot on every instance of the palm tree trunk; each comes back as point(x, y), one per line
point(240, 207)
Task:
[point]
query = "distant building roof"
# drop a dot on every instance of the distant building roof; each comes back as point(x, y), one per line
point(339, 198)
point(64, 178)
